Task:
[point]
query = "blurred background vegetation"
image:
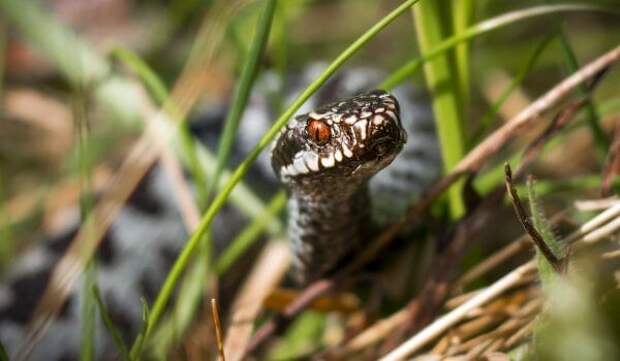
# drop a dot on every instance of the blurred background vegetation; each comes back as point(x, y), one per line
point(74, 76)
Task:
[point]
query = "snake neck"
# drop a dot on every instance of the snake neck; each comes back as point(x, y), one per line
point(325, 226)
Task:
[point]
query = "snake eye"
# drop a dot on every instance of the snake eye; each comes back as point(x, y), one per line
point(318, 131)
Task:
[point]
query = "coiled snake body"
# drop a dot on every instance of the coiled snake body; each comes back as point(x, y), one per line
point(325, 158)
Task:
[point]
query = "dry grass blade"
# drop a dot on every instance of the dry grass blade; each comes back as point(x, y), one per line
point(376, 332)
point(596, 204)
point(594, 230)
point(612, 168)
point(215, 313)
point(450, 319)
point(181, 189)
point(268, 271)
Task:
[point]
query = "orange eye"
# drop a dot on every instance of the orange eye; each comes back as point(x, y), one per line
point(318, 131)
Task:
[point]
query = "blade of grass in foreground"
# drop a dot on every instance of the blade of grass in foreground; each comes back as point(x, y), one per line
point(220, 199)
point(487, 118)
point(109, 324)
point(192, 287)
point(601, 143)
point(462, 15)
point(403, 73)
point(87, 312)
point(442, 78)
point(242, 91)
point(546, 272)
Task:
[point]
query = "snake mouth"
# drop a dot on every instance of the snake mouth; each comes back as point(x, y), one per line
point(340, 139)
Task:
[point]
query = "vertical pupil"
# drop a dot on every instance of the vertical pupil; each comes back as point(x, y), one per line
point(318, 131)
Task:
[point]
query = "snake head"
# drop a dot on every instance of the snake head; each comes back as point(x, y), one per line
point(354, 137)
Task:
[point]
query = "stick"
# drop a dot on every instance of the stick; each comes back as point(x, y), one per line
point(539, 242)
point(218, 329)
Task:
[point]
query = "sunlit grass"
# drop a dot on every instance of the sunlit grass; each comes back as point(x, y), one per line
point(447, 89)
point(445, 58)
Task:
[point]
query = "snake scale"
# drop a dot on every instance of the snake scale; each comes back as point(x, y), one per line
point(334, 205)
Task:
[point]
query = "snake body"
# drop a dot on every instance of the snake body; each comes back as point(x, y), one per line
point(325, 158)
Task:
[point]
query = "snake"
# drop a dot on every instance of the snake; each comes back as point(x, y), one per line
point(345, 164)
point(325, 159)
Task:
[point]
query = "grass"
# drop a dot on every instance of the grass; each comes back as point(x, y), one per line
point(219, 201)
point(445, 31)
point(88, 316)
point(446, 83)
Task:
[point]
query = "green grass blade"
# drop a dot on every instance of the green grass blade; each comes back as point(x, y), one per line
point(87, 312)
point(109, 324)
point(488, 117)
point(304, 334)
point(403, 73)
point(462, 15)
point(220, 199)
point(153, 83)
point(601, 143)
point(136, 349)
point(545, 270)
point(242, 91)
point(249, 234)
point(242, 196)
point(442, 80)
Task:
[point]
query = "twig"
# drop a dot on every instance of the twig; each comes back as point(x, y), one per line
point(539, 242)
point(310, 293)
point(218, 329)
point(557, 124)
point(596, 204)
point(612, 213)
